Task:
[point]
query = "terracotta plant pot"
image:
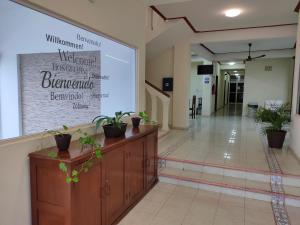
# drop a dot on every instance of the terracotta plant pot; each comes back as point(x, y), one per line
point(63, 141)
point(276, 138)
point(111, 131)
point(136, 121)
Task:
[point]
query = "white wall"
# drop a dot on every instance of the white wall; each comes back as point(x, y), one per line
point(156, 69)
point(182, 67)
point(295, 126)
point(207, 100)
point(123, 20)
point(261, 85)
point(196, 82)
point(160, 67)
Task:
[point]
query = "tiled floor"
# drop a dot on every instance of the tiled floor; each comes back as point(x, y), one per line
point(167, 204)
point(226, 139)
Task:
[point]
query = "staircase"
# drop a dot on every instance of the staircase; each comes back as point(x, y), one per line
point(158, 95)
point(254, 184)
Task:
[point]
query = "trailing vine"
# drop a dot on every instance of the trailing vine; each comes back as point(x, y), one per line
point(84, 140)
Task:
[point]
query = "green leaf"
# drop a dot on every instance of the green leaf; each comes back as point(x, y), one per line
point(68, 180)
point(74, 173)
point(144, 116)
point(52, 154)
point(98, 153)
point(65, 127)
point(75, 179)
point(62, 167)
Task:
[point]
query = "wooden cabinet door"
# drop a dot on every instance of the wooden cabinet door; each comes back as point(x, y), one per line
point(86, 201)
point(134, 170)
point(113, 185)
point(151, 159)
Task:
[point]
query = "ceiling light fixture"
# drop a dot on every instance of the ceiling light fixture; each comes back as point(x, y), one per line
point(231, 63)
point(232, 12)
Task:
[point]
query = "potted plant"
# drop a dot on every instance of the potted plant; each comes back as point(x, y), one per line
point(113, 126)
point(275, 120)
point(136, 119)
point(62, 138)
point(96, 153)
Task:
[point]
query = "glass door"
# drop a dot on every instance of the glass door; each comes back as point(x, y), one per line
point(236, 89)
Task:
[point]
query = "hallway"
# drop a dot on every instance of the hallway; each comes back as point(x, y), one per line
point(226, 139)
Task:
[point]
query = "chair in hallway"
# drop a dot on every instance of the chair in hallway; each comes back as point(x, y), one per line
point(199, 107)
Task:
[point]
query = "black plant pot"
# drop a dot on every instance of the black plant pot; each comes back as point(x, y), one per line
point(111, 131)
point(63, 141)
point(276, 138)
point(136, 121)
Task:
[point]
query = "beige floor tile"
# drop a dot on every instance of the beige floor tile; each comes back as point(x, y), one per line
point(179, 201)
point(164, 187)
point(137, 218)
point(292, 190)
point(185, 191)
point(170, 171)
point(190, 174)
point(149, 207)
point(231, 201)
point(234, 181)
point(165, 221)
point(157, 196)
point(261, 206)
point(258, 185)
point(255, 216)
point(203, 193)
point(212, 177)
point(175, 212)
point(200, 215)
point(229, 216)
point(294, 215)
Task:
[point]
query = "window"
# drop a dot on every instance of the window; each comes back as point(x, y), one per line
point(54, 73)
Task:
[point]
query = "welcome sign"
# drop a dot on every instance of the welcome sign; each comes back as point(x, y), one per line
point(59, 88)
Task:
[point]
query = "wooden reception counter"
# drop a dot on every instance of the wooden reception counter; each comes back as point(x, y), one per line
point(106, 192)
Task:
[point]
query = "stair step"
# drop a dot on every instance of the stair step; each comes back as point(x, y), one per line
point(225, 184)
point(292, 182)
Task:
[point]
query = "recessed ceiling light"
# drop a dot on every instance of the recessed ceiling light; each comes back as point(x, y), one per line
point(232, 12)
point(231, 63)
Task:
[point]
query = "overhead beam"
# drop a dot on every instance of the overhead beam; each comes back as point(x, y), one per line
point(161, 2)
point(202, 52)
point(283, 53)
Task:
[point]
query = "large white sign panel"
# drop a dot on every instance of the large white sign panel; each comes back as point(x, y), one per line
point(26, 32)
point(59, 88)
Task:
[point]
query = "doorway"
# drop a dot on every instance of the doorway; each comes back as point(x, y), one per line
point(236, 89)
point(216, 93)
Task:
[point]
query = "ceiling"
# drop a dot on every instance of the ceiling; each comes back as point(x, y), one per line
point(257, 45)
point(208, 15)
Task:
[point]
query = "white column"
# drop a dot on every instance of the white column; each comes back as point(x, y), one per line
point(153, 107)
point(165, 119)
point(182, 67)
point(295, 125)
